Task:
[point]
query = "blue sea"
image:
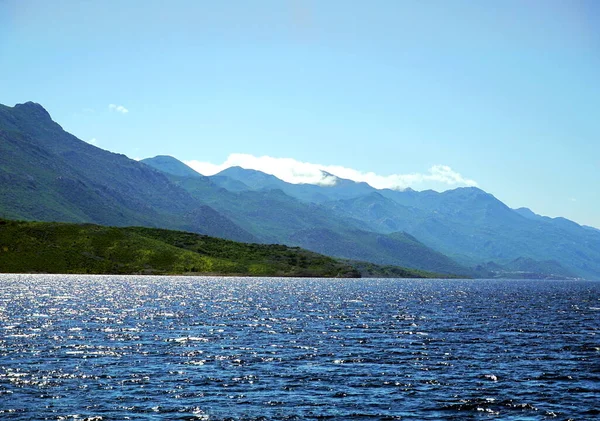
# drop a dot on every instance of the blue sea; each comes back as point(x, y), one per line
point(214, 348)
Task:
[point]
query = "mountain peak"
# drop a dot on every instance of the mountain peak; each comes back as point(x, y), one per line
point(329, 179)
point(254, 179)
point(328, 174)
point(35, 109)
point(334, 180)
point(527, 213)
point(170, 165)
point(237, 172)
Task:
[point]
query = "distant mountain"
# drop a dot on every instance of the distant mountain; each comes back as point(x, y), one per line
point(379, 212)
point(398, 249)
point(558, 221)
point(275, 217)
point(525, 268)
point(546, 267)
point(229, 183)
point(339, 189)
point(467, 224)
point(473, 227)
point(255, 180)
point(528, 213)
point(171, 165)
point(48, 174)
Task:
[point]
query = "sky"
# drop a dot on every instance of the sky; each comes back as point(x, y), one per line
point(436, 94)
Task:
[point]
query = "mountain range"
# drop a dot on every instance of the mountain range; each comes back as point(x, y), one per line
point(48, 174)
point(466, 224)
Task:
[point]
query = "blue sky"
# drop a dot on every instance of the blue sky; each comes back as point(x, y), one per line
point(504, 95)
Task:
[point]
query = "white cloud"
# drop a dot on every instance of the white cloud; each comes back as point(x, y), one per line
point(93, 141)
point(293, 171)
point(118, 108)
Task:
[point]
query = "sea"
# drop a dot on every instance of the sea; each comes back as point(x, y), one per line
point(76, 347)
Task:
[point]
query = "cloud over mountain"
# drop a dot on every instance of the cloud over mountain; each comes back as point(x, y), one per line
point(293, 171)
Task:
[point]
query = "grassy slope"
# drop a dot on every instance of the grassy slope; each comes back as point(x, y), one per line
point(52, 247)
point(83, 248)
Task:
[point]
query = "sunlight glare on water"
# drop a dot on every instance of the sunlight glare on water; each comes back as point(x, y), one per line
point(135, 347)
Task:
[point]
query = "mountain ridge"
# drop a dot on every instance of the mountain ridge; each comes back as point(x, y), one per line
point(465, 223)
point(171, 165)
point(61, 178)
point(274, 216)
point(49, 174)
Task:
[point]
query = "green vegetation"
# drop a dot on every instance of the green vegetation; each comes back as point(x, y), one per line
point(56, 247)
point(51, 247)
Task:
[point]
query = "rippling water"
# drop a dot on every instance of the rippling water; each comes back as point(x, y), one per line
point(115, 348)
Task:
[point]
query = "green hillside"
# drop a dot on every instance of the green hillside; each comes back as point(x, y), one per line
point(53, 247)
